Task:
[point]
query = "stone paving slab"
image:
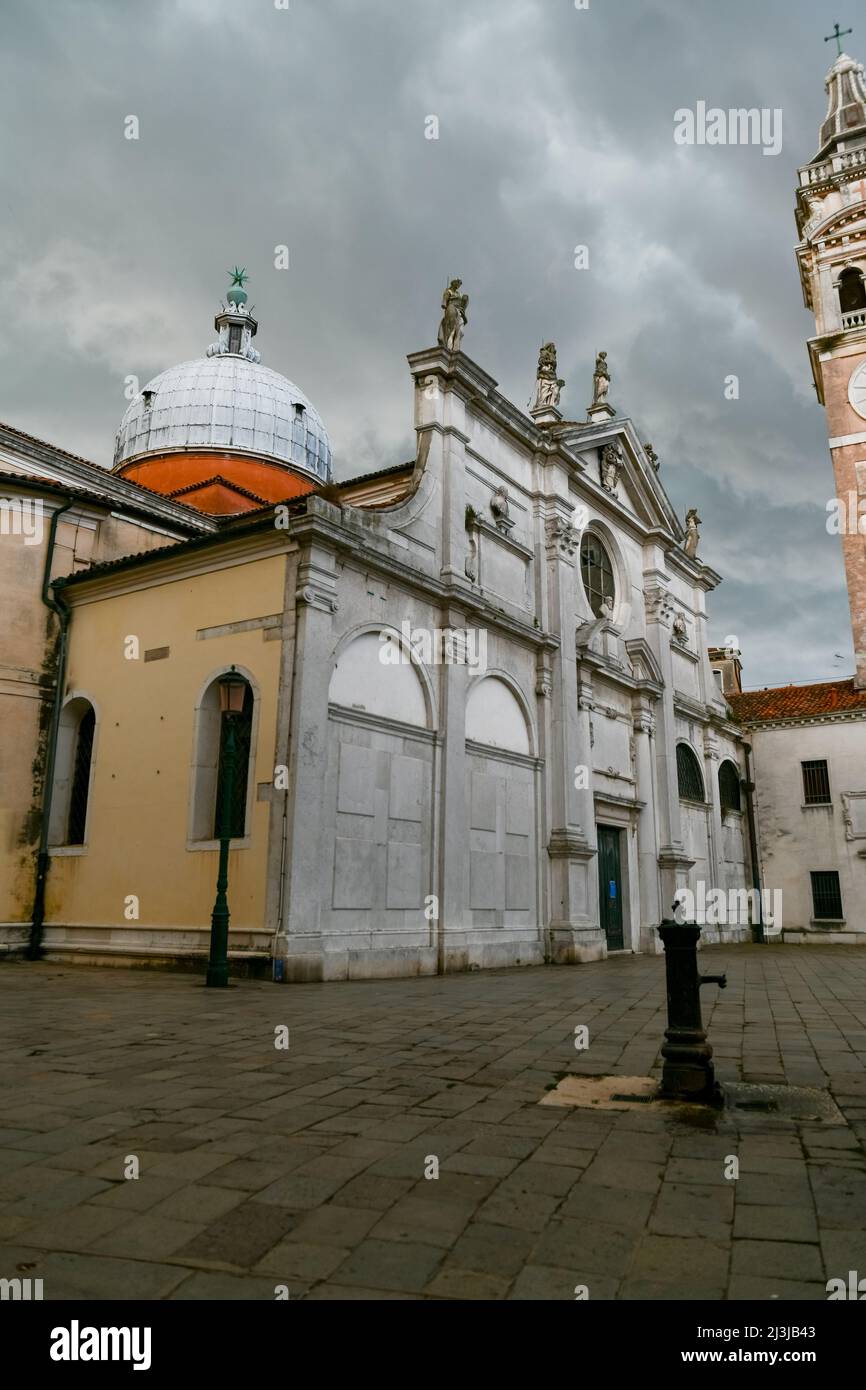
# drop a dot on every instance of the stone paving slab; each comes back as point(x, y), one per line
point(399, 1148)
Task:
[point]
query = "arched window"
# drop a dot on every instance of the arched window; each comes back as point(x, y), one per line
point(689, 779)
point(237, 791)
point(80, 788)
point(211, 728)
point(729, 786)
point(72, 772)
point(852, 293)
point(597, 572)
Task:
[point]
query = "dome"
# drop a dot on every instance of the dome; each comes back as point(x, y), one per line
point(226, 402)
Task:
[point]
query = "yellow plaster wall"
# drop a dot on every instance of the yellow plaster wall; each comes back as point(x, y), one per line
point(28, 633)
point(138, 813)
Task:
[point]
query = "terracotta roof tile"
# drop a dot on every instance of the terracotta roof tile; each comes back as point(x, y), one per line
point(797, 701)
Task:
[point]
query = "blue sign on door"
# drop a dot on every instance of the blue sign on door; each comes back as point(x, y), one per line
point(613, 888)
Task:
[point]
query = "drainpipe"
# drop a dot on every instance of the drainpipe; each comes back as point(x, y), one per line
point(749, 787)
point(61, 611)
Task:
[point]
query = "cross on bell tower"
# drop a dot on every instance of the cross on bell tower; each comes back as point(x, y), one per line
point(838, 35)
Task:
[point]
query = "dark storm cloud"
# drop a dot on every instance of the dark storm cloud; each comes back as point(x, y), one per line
point(261, 127)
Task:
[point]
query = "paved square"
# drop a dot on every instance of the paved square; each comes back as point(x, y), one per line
point(309, 1167)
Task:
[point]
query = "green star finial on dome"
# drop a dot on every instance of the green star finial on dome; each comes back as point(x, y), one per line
point(236, 294)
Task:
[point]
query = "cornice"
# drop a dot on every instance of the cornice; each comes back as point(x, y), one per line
point(690, 709)
point(506, 755)
point(804, 721)
point(348, 715)
point(617, 675)
point(318, 526)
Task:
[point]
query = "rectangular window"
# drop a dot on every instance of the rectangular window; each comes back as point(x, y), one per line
point(826, 897)
point(816, 783)
point(234, 337)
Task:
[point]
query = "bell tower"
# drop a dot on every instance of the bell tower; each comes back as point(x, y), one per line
point(831, 222)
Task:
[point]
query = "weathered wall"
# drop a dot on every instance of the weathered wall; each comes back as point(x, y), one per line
point(28, 655)
point(796, 839)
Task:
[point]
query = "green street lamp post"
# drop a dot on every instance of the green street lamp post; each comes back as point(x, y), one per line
point(232, 690)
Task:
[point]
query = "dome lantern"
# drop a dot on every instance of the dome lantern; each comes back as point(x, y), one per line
point(235, 323)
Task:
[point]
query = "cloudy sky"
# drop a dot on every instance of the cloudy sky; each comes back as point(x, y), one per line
point(305, 126)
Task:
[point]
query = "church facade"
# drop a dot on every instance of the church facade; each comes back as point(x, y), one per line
point(476, 719)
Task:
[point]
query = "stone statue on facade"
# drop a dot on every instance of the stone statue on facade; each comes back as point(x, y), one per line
point(548, 385)
point(693, 535)
point(500, 506)
point(600, 380)
point(612, 464)
point(652, 456)
point(679, 630)
point(454, 317)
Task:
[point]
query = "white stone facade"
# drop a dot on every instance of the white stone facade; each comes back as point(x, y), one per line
point(442, 814)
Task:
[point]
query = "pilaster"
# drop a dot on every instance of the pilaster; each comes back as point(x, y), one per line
point(574, 930)
point(647, 831)
point(674, 863)
point(300, 942)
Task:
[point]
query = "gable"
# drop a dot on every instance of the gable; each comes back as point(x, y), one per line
point(615, 460)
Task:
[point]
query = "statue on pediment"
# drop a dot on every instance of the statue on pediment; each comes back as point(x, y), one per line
point(612, 464)
point(548, 384)
point(693, 534)
point(454, 317)
point(600, 380)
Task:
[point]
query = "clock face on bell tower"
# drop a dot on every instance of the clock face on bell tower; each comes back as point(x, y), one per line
point(857, 390)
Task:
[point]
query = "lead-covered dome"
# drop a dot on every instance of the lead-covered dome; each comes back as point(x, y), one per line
point(225, 402)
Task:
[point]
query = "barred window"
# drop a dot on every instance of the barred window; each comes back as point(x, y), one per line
point(596, 571)
point(689, 778)
point(729, 786)
point(816, 783)
point(826, 896)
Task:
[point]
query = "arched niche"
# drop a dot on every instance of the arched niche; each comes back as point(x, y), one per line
point(494, 716)
point(376, 673)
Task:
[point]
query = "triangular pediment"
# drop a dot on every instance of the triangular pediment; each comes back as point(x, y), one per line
point(218, 496)
point(625, 472)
